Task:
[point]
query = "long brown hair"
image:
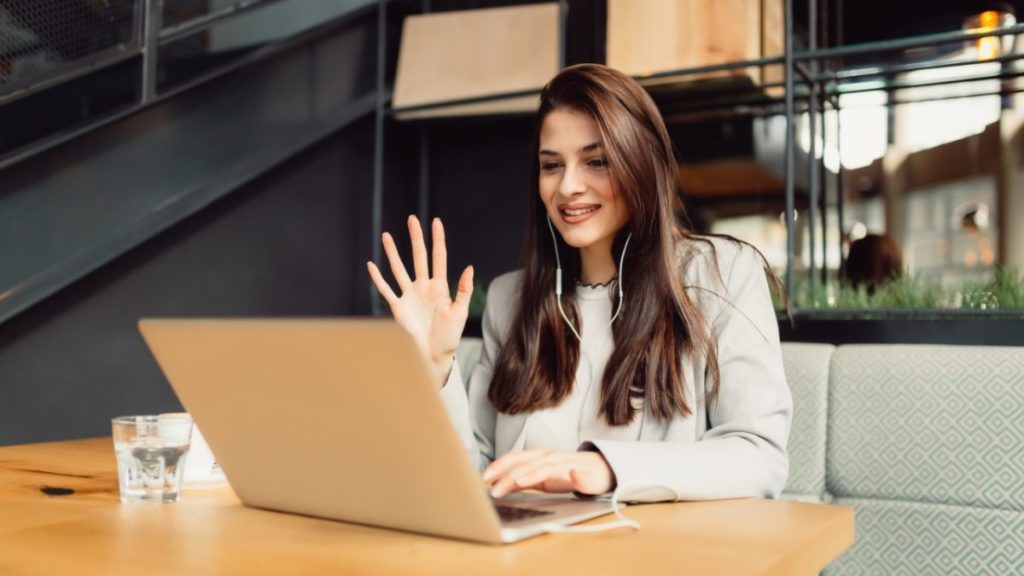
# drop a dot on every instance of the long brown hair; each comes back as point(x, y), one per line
point(659, 324)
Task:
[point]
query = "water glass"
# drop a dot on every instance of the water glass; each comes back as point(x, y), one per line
point(201, 470)
point(151, 454)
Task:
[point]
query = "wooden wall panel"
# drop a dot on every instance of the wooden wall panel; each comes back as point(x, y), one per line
point(472, 53)
point(650, 36)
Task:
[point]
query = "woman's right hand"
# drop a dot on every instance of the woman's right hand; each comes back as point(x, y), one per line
point(425, 308)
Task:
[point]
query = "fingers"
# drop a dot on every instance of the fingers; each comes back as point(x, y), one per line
point(440, 251)
point(419, 249)
point(421, 270)
point(397, 267)
point(523, 470)
point(381, 284)
point(585, 472)
point(465, 289)
point(550, 476)
point(502, 465)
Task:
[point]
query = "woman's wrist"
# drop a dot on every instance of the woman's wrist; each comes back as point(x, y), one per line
point(443, 367)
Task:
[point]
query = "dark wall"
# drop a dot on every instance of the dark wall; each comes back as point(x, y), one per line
point(289, 243)
point(480, 187)
point(479, 168)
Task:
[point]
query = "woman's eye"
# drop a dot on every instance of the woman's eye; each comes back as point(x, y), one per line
point(549, 166)
point(598, 163)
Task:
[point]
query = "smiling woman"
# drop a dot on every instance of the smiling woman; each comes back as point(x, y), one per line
point(578, 191)
point(660, 373)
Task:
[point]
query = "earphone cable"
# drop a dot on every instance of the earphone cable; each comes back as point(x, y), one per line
point(558, 281)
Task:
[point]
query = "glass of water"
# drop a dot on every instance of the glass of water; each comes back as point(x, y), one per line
point(151, 454)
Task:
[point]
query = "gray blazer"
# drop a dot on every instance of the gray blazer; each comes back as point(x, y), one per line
point(733, 447)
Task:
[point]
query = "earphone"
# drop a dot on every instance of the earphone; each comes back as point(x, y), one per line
point(620, 520)
point(558, 281)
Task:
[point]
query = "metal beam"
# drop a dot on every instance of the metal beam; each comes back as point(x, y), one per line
point(812, 156)
point(152, 17)
point(905, 43)
point(178, 31)
point(789, 158)
point(380, 112)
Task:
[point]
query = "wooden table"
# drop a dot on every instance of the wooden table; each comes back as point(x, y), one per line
point(210, 532)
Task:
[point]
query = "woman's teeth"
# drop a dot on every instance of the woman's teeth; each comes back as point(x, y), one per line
point(580, 211)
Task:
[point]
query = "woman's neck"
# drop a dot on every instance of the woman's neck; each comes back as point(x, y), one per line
point(597, 265)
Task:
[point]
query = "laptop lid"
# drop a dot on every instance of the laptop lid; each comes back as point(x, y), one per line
point(334, 418)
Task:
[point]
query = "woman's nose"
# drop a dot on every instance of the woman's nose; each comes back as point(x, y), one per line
point(572, 182)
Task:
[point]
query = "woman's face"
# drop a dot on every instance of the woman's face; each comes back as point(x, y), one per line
point(575, 185)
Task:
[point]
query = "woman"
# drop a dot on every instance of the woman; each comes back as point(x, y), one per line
point(628, 352)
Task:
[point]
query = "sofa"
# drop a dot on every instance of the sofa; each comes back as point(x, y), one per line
point(925, 442)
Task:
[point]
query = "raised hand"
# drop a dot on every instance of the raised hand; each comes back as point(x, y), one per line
point(425, 308)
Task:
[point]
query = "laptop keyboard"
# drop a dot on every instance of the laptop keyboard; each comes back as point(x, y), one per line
point(515, 513)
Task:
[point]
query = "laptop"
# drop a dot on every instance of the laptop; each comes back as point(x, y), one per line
point(339, 419)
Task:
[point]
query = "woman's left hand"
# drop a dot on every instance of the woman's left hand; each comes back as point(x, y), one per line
point(549, 471)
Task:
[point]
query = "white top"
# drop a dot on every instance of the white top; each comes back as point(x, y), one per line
point(577, 418)
point(732, 447)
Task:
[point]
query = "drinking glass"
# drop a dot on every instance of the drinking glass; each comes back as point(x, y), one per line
point(151, 453)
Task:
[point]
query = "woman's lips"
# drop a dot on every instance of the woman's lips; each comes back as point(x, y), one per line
point(577, 214)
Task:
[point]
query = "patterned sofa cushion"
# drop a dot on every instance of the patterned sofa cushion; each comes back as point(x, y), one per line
point(914, 539)
point(941, 424)
point(807, 371)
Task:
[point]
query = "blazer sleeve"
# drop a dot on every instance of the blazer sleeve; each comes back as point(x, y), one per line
point(743, 451)
point(453, 396)
point(472, 414)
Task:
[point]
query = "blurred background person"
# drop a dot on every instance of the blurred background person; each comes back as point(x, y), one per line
point(872, 261)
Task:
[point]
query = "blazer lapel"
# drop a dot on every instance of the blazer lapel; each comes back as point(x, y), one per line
point(508, 433)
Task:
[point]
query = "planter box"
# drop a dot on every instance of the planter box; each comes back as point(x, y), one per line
point(979, 331)
point(982, 331)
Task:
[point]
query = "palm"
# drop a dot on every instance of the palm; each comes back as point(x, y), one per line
point(425, 308)
point(430, 316)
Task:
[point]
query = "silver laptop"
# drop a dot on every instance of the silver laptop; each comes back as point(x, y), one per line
point(339, 419)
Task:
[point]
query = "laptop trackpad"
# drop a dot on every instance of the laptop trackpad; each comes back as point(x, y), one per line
point(530, 507)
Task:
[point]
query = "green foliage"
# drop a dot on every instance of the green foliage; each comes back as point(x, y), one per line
point(1005, 291)
point(909, 292)
point(478, 300)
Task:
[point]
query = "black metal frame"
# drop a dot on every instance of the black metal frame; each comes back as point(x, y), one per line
point(378, 146)
point(152, 35)
point(68, 71)
point(810, 77)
